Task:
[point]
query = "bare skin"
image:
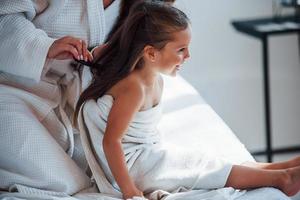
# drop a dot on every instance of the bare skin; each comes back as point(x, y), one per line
point(69, 47)
point(278, 165)
point(106, 3)
point(282, 175)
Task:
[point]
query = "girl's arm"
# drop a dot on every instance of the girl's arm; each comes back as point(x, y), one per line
point(126, 104)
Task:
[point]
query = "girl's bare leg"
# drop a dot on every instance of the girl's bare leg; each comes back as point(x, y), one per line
point(243, 177)
point(295, 162)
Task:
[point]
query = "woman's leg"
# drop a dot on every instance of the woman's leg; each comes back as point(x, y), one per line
point(29, 154)
point(243, 177)
point(295, 162)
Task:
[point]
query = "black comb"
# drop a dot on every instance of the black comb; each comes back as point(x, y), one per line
point(86, 63)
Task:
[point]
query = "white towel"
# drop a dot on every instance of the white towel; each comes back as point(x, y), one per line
point(155, 169)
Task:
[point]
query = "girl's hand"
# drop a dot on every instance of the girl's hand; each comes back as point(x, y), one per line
point(134, 193)
point(69, 47)
point(138, 198)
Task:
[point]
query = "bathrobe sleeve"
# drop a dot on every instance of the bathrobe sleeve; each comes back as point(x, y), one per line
point(23, 47)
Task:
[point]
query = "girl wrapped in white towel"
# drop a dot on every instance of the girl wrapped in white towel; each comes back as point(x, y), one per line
point(121, 108)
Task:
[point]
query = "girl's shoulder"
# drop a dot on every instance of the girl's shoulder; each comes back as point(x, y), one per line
point(131, 85)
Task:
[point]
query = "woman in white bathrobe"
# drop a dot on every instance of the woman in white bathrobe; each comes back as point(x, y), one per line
point(39, 148)
point(39, 88)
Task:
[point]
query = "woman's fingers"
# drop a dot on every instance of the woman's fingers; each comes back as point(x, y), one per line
point(81, 47)
point(90, 56)
point(72, 50)
point(84, 51)
point(66, 46)
point(87, 56)
point(77, 43)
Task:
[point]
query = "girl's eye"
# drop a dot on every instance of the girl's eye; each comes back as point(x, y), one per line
point(181, 50)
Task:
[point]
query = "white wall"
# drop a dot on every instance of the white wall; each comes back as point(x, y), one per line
point(226, 68)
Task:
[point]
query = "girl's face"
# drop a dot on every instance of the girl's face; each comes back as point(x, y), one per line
point(170, 59)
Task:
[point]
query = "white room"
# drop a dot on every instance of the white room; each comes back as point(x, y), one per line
point(150, 99)
point(226, 67)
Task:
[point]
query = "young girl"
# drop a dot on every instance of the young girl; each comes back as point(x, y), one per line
point(122, 108)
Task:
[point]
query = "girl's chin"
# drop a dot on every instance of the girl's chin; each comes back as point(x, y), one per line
point(172, 73)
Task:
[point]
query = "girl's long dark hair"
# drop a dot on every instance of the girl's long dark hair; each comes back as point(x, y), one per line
point(148, 23)
point(124, 11)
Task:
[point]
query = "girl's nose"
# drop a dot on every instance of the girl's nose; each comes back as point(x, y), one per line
point(187, 55)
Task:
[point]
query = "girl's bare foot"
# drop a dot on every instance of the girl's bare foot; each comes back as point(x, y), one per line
point(290, 184)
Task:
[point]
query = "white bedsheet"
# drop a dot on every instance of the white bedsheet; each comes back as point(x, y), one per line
point(184, 109)
point(194, 124)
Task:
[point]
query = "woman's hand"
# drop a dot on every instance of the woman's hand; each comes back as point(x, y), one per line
point(69, 47)
point(97, 50)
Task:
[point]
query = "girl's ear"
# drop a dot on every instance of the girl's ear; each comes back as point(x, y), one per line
point(150, 53)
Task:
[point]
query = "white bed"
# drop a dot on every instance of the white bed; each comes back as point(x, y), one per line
point(194, 124)
point(189, 122)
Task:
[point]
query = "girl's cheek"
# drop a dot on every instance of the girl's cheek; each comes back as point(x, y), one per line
point(180, 58)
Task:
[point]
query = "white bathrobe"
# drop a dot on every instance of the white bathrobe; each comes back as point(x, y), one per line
point(38, 95)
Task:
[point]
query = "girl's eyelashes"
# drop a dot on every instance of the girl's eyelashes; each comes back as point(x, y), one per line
point(181, 50)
